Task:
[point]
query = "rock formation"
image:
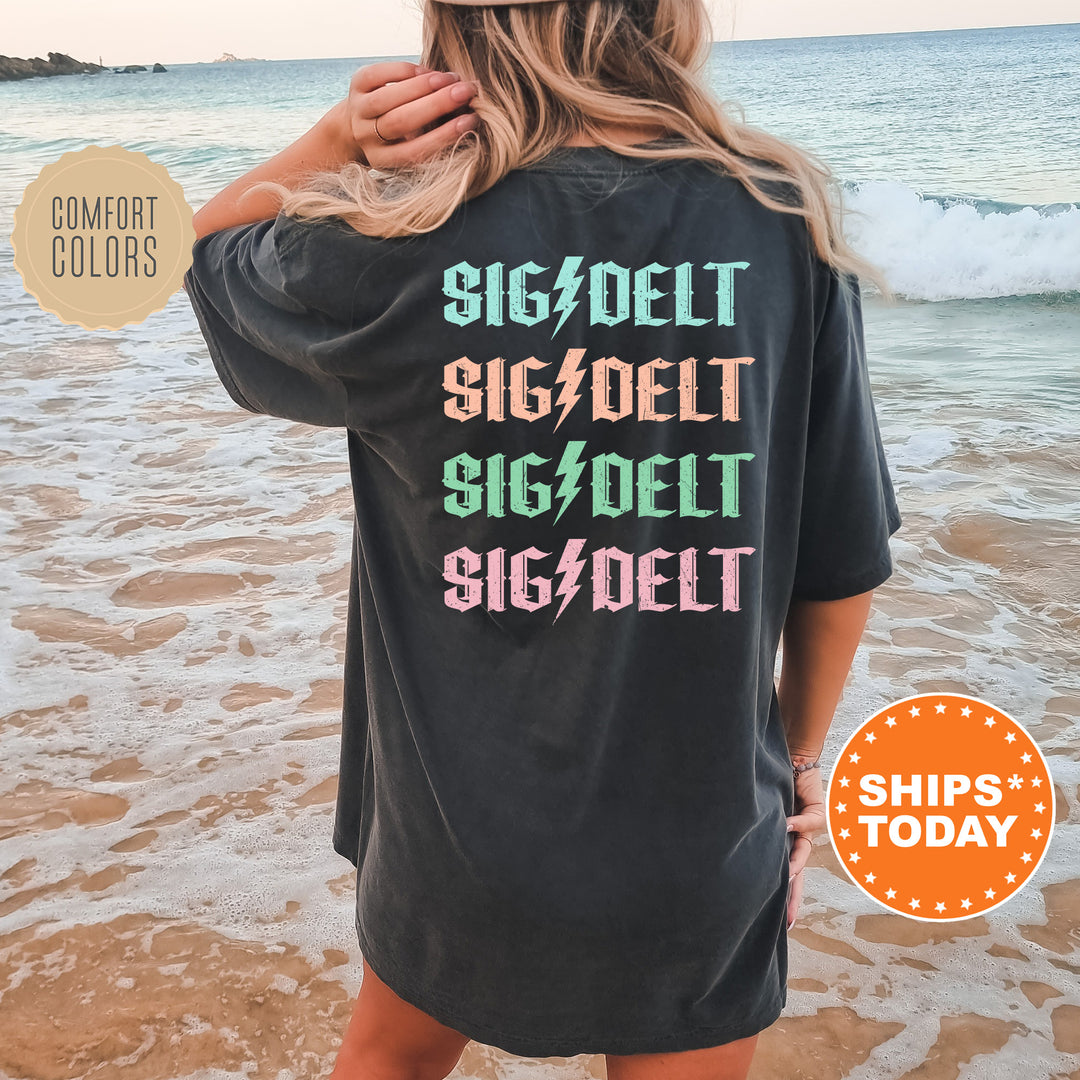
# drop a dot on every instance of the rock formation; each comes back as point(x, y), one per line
point(14, 67)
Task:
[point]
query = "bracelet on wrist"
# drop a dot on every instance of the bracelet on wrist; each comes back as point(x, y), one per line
point(796, 769)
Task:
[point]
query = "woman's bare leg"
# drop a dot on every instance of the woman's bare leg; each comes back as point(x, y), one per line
point(728, 1062)
point(389, 1039)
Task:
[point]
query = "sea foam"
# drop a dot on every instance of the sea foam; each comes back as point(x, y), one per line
point(952, 248)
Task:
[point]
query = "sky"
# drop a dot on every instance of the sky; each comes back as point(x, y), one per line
point(141, 32)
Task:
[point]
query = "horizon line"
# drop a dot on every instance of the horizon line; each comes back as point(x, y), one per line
point(715, 41)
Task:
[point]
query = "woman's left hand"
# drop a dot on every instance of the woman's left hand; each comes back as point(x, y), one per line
point(405, 99)
point(808, 820)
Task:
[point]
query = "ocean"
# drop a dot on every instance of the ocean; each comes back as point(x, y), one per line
point(175, 586)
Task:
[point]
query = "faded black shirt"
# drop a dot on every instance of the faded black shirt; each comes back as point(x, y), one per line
point(603, 425)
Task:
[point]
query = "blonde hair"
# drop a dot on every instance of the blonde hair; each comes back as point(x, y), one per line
point(552, 71)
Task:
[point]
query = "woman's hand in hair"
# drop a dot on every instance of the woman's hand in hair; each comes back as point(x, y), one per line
point(419, 112)
point(416, 109)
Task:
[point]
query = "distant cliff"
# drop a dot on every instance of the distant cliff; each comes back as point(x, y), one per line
point(14, 67)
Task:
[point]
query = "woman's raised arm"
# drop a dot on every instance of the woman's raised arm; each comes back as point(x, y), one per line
point(404, 97)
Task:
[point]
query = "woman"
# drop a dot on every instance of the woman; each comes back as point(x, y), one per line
point(597, 349)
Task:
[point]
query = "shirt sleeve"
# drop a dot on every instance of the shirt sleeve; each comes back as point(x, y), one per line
point(245, 284)
point(849, 508)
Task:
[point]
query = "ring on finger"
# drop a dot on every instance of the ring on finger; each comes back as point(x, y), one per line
point(381, 136)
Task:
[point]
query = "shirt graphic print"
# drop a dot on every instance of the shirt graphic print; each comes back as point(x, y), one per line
point(610, 390)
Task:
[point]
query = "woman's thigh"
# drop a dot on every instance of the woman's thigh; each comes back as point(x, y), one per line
point(728, 1062)
point(389, 1039)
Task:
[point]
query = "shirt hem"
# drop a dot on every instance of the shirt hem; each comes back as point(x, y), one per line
point(339, 845)
point(854, 585)
point(566, 1045)
point(213, 344)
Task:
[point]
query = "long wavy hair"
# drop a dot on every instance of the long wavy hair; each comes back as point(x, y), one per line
point(550, 72)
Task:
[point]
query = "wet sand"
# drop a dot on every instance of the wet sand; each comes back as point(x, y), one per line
point(170, 903)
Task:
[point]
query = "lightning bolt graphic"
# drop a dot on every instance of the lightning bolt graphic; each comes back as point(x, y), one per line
point(570, 375)
point(569, 468)
point(568, 282)
point(570, 566)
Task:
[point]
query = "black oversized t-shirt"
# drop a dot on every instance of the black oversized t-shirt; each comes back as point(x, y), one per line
point(603, 425)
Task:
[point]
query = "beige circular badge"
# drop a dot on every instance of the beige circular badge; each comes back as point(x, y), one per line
point(103, 237)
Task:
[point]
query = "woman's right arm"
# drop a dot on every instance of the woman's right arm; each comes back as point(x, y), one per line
point(819, 638)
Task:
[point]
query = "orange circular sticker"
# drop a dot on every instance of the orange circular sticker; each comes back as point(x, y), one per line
point(940, 807)
point(103, 237)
